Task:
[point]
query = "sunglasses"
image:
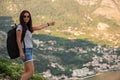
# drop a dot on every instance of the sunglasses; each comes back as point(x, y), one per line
point(26, 16)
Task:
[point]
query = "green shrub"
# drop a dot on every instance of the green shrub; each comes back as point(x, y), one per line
point(13, 71)
point(37, 76)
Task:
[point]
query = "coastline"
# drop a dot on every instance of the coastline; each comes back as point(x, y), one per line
point(97, 75)
point(102, 74)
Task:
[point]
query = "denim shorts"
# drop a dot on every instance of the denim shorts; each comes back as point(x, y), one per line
point(28, 55)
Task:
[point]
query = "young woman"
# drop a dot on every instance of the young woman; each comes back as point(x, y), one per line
point(26, 24)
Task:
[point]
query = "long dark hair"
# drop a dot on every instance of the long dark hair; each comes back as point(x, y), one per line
point(24, 25)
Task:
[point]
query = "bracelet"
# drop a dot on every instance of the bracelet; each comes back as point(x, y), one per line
point(48, 24)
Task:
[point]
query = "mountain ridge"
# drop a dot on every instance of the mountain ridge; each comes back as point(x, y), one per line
point(83, 34)
point(75, 19)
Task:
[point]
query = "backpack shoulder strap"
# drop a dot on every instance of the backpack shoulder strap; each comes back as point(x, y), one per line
point(23, 32)
point(23, 35)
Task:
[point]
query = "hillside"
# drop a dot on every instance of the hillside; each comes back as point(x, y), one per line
point(84, 38)
point(96, 20)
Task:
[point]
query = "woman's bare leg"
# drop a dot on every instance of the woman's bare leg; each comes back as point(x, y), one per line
point(29, 70)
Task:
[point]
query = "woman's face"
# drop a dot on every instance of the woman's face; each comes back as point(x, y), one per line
point(26, 17)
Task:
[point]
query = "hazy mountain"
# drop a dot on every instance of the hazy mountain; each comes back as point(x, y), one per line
point(84, 30)
point(97, 20)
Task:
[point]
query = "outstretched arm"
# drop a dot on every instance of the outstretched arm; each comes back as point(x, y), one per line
point(43, 26)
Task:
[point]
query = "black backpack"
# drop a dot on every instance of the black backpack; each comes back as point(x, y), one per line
point(12, 47)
